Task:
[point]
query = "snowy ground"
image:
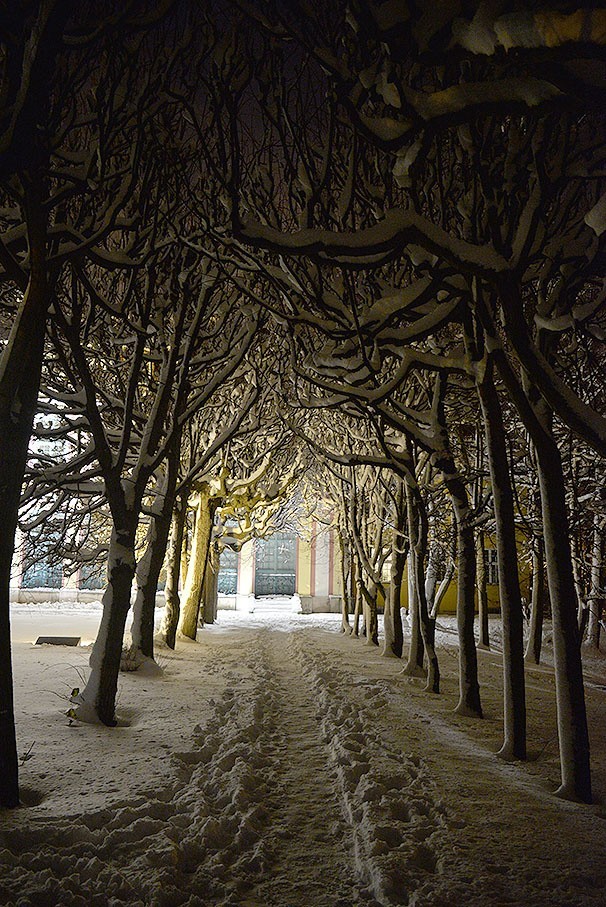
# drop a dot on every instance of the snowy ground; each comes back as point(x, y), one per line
point(277, 763)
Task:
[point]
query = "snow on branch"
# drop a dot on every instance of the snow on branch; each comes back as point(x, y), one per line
point(471, 97)
point(380, 242)
point(546, 28)
point(596, 217)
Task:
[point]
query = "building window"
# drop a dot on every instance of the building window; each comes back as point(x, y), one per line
point(43, 568)
point(92, 576)
point(43, 575)
point(275, 564)
point(228, 572)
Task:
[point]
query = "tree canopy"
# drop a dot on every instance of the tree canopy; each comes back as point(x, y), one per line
point(252, 250)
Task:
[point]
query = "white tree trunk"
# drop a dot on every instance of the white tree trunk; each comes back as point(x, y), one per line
point(414, 663)
point(96, 702)
point(570, 696)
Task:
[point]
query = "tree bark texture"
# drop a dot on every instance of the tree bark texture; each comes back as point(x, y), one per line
point(573, 735)
point(469, 688)
point(356, 595)
point(173, 571)
point(20, 370)
point(537, 603)
point(510, 597)
point(570, 695)
point(150, 565)
point(198, 560)
point(345, 561)
point(393, 632)
point(97, 702)
point(416, 650)
point(147, 575)
point(372, 617)
point(596, 596)
point(482, 593)
point(417, 533)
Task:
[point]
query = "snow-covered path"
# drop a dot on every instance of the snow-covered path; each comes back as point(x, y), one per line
point(312, 846)
point(277, 763)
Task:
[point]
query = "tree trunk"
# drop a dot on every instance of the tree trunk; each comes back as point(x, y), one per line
point(596, 596)
point(432, 574)
point(147, 576)
point(570, 695)
point(198, 560)
point(9, 763)
point(186, 545)
point(97, 702)
point(417, 533)
point(345, 559)
point(20, 369)
point(355, 630)
point(150, 565)
point(469, 688)
point(537, 604)
point(392, 621)
point(372, 618)
point(356, 595)
point(576, 557)
point(416, 649)
point(173, 571)
point(484, 633)
point(510, 598)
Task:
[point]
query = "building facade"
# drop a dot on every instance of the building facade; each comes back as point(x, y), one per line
point(283, 565)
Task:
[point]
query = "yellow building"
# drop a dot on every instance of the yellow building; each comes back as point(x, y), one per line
point(307, 568)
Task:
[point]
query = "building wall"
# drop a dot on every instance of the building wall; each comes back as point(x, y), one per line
point(323, 565)
point(319, 582)
point(304, 571)
point(337, 576)
point(449, 602)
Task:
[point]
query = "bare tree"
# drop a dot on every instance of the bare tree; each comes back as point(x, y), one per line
point(56, 149)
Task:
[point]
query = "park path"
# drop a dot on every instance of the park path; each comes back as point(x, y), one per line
point(282, 793)
point(311, 842)
point(278, 763)
point(351, 821)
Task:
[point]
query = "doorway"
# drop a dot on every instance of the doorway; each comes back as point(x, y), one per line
point(276, 564)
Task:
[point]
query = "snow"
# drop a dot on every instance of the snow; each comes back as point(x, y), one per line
point(596, 217)
point(397, 228)
point(457, 98)
point(277, 761)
